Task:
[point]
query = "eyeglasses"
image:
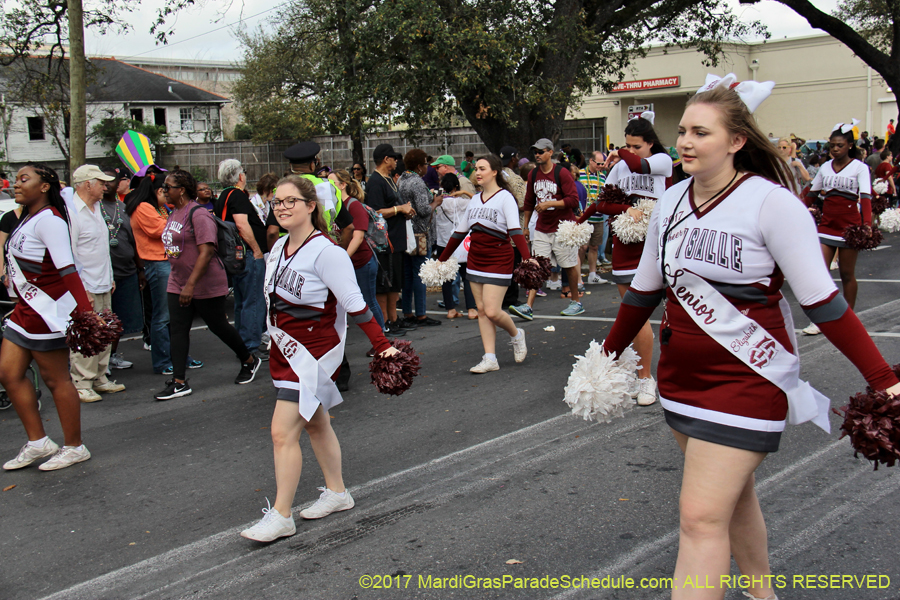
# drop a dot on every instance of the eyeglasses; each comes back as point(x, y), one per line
point(166, 187)
point(288, 202)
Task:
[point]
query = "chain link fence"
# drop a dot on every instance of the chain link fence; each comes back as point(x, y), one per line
point(203, 159)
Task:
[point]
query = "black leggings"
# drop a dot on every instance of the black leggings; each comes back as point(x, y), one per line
point(212, 311)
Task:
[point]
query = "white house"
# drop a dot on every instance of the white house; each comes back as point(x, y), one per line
point(115, 90)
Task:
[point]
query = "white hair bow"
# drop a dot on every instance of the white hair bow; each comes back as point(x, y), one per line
point(752, 93)
point(647, 115)
point(845, 127)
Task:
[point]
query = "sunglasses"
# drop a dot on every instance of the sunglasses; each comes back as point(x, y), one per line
point(166, 187)
point(543, 151)
point(357, 169)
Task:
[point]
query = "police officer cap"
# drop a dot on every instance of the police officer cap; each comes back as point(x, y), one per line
point(304, 152)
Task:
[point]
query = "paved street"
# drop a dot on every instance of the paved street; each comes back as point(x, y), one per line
point(452, 480)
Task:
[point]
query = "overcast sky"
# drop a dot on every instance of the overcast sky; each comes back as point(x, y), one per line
point(206, 31)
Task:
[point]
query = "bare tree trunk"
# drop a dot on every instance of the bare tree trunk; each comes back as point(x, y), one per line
point(77, 97)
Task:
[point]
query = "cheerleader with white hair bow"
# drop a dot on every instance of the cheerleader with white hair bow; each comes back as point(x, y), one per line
point(720, 246)
point(643, 171)
point(844, 183)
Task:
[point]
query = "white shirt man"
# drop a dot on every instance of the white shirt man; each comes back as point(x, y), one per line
point(90, 246)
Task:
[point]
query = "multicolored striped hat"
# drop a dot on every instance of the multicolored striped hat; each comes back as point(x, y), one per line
point(134, 150)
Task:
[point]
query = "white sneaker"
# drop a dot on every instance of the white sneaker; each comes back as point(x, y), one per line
point(554, 285)
point(271, 527)
point(146, 346)
point(646, 392)
point(110, 387)
point(635, 388)
point(328, 503)
point(595, 278)
point(485, 366)
point(66, 457)
point(88, 395)
point(29, 454)
point(520, 350)
point(117, 361)
point(813, 329)
point(834, 266)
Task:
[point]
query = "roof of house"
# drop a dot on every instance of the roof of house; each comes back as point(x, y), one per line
point(115, 80)
point(111, 80)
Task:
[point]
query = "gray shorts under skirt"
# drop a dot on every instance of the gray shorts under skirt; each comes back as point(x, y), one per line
point(620, 279)
point(35, 345)
point(833, 243)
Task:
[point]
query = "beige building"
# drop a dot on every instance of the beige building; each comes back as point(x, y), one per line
point(819, 82)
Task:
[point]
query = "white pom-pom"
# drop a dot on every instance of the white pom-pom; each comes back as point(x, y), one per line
point(889, 221)
point(630, 232)
point(571, 233)
point(880, 187)
point(599, 386)
point(434, 272)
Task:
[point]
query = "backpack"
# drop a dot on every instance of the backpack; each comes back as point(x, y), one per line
point(229, 245)
point(377, 232)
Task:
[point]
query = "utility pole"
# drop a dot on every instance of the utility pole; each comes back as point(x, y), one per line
point(77, 96)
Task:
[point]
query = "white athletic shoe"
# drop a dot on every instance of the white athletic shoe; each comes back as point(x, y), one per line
point(646, 392)
point(554, 285)
point(635, 388)
point(813, 329)
point(595, 278)
point(271, 527)
point(29, 454)
point(485, 366)
point(520, 350)
point(328, 503)
point(66, 457)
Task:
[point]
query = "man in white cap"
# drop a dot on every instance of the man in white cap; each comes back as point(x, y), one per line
point(90, 246)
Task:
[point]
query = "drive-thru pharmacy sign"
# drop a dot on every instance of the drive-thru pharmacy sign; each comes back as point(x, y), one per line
point(647, 84)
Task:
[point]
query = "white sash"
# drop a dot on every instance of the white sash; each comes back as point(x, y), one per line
point(749, 342)
point(54, 312)
point(316, 386)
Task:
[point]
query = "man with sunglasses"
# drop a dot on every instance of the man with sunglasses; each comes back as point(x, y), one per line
point(551, 192)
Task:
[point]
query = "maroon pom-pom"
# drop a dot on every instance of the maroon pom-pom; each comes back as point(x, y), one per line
point(613, 194)
point(816, 213)
point(861, 237)
point(532, 276)
point(88, 336)
point(879, 204)
point(872, 422)
point(393, 375)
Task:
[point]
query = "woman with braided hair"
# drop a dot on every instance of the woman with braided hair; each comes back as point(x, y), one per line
point(42, 269)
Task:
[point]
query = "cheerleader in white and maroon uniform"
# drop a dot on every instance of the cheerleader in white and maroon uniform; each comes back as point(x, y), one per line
point(726, 239)
point(493, 219)
point(643, 169)
point(42, 269)
point(845, 185)
point(310, 289)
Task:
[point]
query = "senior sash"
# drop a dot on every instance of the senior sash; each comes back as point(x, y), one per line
point(315, 384)
point(749, 342)
point(54, 312)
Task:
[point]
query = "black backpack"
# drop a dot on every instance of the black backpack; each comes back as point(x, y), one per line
point(229, 245)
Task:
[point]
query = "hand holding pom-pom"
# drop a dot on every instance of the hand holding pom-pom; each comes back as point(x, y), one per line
point(879, 204)
point(630, 231)
point(90, 333)
point(863, 237)
point(572, 234)
point(532, 273)
point(816, 213)
point(613, 194)
point(434, 272)
point(872, 422)
point(880, 187)
point(393, 370)
point(599, 386)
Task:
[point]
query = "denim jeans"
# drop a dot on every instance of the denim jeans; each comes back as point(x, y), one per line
point(365, 278)
point(412, 285)
point(126, 303)
point(157, 272)
point(250, 302)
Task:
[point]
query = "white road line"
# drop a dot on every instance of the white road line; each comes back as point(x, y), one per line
point(577, 318)
point(92, 588)
point(873, 280)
